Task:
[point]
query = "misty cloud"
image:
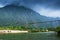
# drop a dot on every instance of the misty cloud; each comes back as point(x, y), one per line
point(36, 5)
point(46, 3)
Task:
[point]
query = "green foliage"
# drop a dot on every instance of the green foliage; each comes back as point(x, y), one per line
point(14, 28)
point(58, 28)
point(34, 30)
point(51, 29)
point(30, 29)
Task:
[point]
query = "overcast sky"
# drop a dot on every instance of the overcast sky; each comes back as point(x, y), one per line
point(49, 8)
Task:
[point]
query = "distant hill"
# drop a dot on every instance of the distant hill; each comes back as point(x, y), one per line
point(15, 15)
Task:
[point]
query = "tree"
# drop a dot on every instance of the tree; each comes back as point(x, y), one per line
point(58, 28)
point(51, 29)
point(58, 31)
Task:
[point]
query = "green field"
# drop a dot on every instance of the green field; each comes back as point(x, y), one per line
point(29, 36)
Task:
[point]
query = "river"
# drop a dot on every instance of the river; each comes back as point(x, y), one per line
point(30, 36)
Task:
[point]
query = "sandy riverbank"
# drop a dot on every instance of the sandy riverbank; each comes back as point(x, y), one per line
point(21, 31)
point(12, 31)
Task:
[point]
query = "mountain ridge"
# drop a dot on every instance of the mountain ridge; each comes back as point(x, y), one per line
point(15, 15)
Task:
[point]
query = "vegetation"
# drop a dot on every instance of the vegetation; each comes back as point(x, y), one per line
point(52, 29)
point(58, 28)
point(58, 31)
point(12, 28)
point(30, 29)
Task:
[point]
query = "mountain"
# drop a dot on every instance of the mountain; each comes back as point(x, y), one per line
point(15, 15)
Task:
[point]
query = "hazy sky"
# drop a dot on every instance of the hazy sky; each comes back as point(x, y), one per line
point(49, 8)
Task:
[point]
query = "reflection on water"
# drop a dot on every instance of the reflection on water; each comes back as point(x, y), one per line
point(29, 36)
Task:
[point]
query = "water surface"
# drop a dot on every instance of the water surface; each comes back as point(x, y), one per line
point(29, 36)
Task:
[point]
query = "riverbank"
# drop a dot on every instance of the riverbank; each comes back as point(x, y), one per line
point(22, 31)
point(13, 31)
